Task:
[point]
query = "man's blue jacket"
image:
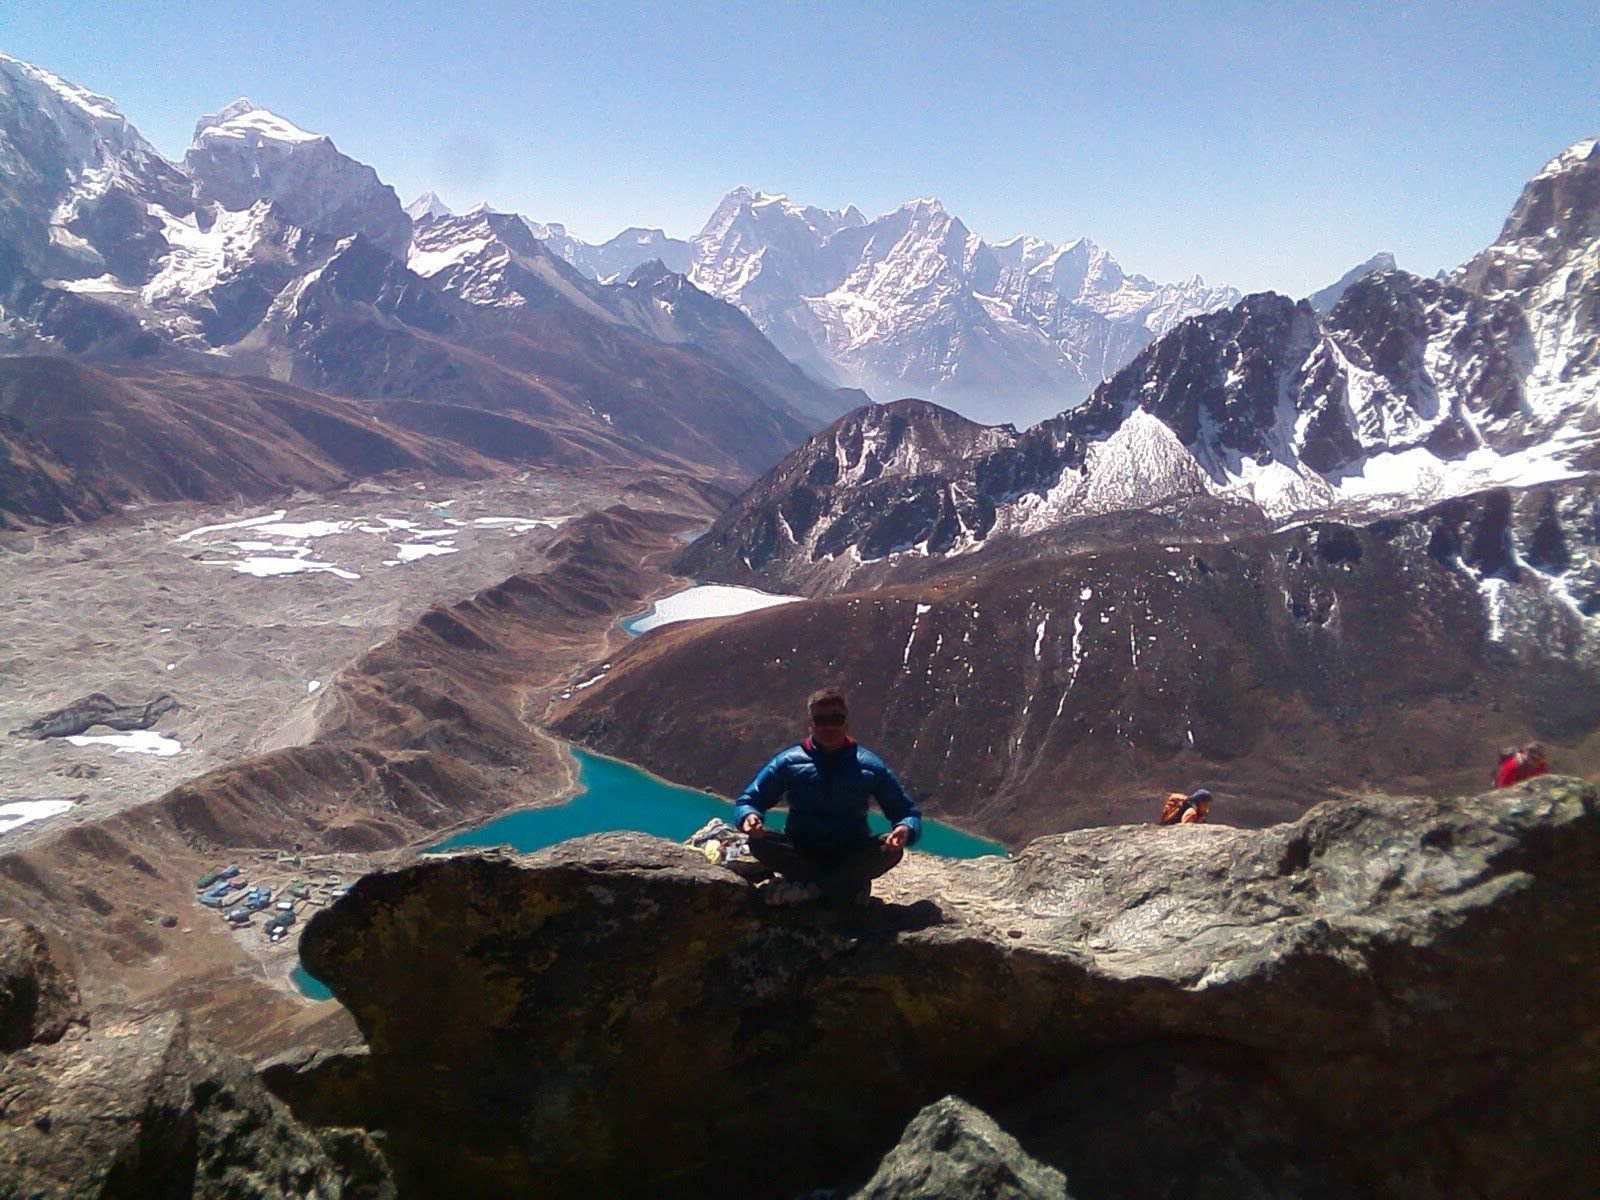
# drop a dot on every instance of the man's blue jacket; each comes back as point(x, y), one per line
point(828, 794)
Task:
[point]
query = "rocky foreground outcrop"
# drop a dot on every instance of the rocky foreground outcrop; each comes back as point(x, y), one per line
point(1388, 997)
point(953, 1149)
point(134, 1106)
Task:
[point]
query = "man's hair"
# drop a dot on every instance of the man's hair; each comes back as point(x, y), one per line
point(828, 697)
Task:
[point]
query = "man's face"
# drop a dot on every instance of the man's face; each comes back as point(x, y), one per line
point(829, 726)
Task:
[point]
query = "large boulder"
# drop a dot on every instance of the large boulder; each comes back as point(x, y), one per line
point(952, 1151)
point(134, 1106)
point(38, 1000)
point(1388, 997)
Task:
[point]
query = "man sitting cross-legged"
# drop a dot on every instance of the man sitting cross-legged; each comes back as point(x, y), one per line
point(827, 849)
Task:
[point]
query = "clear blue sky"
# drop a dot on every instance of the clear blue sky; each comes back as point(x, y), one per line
point(1266, 145)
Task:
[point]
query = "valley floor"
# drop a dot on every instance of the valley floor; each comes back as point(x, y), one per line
point(158, 602)
point(246, 617)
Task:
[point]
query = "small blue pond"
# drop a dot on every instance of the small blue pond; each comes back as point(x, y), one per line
point(615, 796)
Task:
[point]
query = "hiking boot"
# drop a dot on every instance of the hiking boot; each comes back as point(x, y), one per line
point(787, 891)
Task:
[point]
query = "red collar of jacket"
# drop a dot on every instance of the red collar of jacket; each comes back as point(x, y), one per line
point(811, 747)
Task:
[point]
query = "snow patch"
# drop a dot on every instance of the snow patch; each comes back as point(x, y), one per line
point(707, 600)
point(138, 741)
point(248, 523)
point(20, 812)
point(412, 551)
point(519, 524)
point(297, 530)
point(1494, 598)
point(101, 283)
point(266, 567)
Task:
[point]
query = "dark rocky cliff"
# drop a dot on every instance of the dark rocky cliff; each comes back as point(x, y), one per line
point(1385, 998)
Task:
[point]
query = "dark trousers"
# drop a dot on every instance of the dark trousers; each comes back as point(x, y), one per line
point(840, 872)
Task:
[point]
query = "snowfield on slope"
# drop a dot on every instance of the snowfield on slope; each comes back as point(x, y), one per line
point(705, 600)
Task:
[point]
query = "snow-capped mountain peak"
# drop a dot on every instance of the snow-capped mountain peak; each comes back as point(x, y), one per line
point(913, 302)
point(245, 154)
point(427, 206)
point(1324, 300)
point(92, 105)
point(77, 182)
point(1547, 260)
point(1575, 155)
point(247, 121)
point(1022, 252)
point(91, 126)
point(770, 207)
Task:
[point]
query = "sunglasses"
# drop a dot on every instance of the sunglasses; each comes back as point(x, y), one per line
point(828, 719)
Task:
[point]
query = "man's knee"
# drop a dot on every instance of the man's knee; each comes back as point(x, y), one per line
point(887, 858)
point(778, 853)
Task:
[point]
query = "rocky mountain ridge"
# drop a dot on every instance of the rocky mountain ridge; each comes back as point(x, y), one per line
point(79, 442)
point(1407, 391)
point(269, 251)
point(1325, 298)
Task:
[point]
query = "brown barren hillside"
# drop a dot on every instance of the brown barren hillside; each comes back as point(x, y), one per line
point(1074, 690)
point(77, 442)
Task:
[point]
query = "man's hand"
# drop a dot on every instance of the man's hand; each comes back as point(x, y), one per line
point(898, 837)
point(753, 825)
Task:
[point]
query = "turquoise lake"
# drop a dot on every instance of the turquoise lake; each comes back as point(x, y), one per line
point(613, 795)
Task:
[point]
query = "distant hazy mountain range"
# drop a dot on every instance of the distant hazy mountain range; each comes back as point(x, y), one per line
point(911, 303)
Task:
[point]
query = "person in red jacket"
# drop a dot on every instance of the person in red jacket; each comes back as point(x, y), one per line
point(1520, 764)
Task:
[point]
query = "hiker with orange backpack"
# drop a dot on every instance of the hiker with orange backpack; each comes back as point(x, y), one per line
point(1186, 810)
